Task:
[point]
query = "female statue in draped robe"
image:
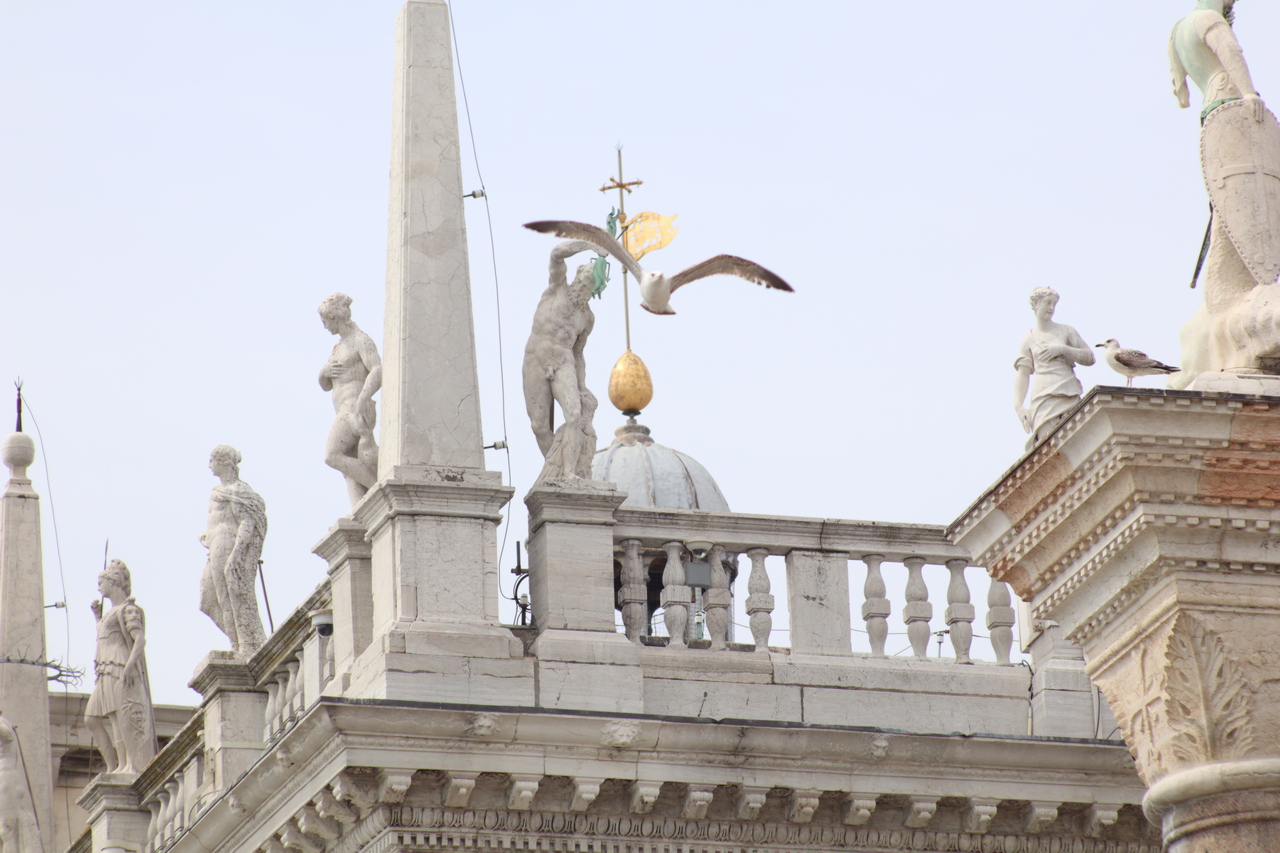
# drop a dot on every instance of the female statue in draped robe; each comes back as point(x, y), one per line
point(1050, 351)
point(119, 711)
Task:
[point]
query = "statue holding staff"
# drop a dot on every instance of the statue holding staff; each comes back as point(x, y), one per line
point(237, 528)
point(119, 711)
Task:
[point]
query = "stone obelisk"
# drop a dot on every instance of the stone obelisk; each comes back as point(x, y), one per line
point(24, 687)
point(431, 520)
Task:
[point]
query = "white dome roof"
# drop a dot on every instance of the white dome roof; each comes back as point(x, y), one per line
point(655, 476)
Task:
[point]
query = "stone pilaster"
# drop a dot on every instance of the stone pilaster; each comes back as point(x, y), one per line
point(1148, 527)
point(24, 687)
point(571, 595)
point(117, 819)
point(349, 555)
point(433, 538)
point(234, 711)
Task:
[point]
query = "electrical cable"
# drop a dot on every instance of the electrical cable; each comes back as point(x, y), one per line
point(497, 292)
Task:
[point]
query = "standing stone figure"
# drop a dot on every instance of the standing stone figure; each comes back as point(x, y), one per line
point(1240, 160)
point(237, 526)
point(19, 832)
point(354, 374)
point(119, 711)
point(555, 370)
point(1050, 351)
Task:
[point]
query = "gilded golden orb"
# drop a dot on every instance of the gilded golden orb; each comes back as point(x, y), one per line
point(630, 387)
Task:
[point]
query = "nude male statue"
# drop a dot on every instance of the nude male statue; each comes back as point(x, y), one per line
point(354, 374)
point(555, 370)
point(237, 526)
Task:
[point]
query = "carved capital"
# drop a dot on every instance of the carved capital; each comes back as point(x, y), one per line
point(458, 788)
point(585, 792)
point(750, 801)
point(921, 811)
point(979, 814)
point(804, 802)
point(521, 792)
point(860, 809)
point(643, 796)
point(696, 801)
point(393, 784)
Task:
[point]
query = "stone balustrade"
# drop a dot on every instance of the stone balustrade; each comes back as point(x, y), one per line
point(670, 543)
point(295, 664)
point(176, 787)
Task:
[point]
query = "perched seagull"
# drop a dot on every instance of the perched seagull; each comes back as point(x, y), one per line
point(656, 288)
point(1131, 362)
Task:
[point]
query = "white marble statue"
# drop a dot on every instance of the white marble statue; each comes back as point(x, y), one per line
point(1236, 329)
point(19, 832)
point(354, 374)
point(119, 711)
point(555, 370)
point(1050, 351)
point(237, 527)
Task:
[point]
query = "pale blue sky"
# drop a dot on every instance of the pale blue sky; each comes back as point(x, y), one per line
point(183, 183)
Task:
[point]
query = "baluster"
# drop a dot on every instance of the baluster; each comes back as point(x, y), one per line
point(1000, 619)
point(959, 614)
point(172, 808)
point(166, 815)
point(153, 826)
point(281, 715)
point(675, 596)
point(718, 600)
point(633, 597)
point(876, 609)
point(918, 611)
point(759, 601)
point(297, 699)
point(273, 702)
point(180, 799)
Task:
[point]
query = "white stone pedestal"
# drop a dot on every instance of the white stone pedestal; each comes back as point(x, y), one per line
point(1228, 382)
point(583, 661)
point(234, 715)
point(117, 819)
point(436, 631)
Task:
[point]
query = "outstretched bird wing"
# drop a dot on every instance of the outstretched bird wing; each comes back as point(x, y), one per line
point(729, 265)
point(597, 237)
point(1135, 360)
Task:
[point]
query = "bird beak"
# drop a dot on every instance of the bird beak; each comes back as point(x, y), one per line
point(1099, 345)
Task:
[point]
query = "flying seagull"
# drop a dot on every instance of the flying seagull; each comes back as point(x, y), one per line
point(1131, 362)
point(656, 288)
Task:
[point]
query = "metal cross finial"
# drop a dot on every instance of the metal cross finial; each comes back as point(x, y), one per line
point(620, 185)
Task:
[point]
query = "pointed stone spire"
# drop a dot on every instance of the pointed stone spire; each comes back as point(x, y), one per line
point(24, 687)
point(425, 602)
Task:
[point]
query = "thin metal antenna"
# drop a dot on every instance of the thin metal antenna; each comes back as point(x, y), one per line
point(623, 188)
point(263, 577)
point(18, 385)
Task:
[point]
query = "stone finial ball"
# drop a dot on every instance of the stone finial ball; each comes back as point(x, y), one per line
point(18, 450)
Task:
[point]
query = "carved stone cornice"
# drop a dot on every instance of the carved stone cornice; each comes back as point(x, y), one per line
point(347, 539)
point(442, 492)
point(1146, 526)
